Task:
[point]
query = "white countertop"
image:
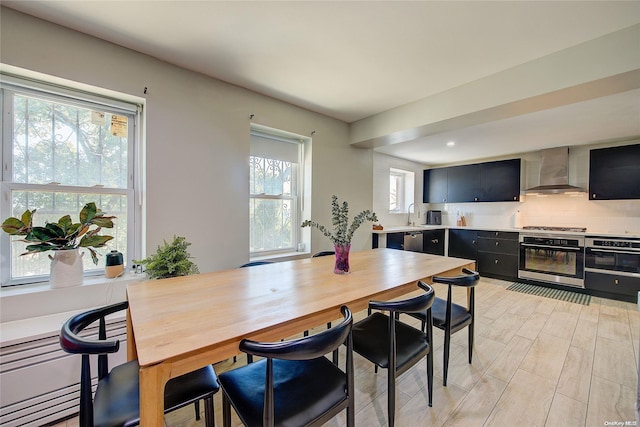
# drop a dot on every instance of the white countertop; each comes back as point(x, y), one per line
point(590, 233)
point(405, 228)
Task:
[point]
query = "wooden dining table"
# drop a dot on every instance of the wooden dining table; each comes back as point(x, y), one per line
point(181, 324)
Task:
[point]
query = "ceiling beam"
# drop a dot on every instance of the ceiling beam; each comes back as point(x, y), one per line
point(603, 66)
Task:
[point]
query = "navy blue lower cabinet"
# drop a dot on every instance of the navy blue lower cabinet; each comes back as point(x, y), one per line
point(463, 243)
point(498, 254)
point(612, 285)
point(395, 240)
point(433, 242)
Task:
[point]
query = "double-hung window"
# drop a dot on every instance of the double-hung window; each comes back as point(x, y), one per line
point(62, 149)
point(274, 194)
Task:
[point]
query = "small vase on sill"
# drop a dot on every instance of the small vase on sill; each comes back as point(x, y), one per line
point(66, 268)
point(342, 259)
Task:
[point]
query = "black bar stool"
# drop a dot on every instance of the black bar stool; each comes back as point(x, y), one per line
point(452, 317)
point(396, 346)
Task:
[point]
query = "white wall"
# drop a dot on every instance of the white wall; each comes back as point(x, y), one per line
point(197, 144)
point(381, 165)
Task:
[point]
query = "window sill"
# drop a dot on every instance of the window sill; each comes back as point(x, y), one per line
point(37, 300)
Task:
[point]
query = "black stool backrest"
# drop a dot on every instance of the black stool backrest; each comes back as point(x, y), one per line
point(323, 253)
point(412, 305)
point(254, 263)
point(305, 348)
point(470, 278)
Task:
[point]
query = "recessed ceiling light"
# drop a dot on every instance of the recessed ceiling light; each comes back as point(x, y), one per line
point(451, 143)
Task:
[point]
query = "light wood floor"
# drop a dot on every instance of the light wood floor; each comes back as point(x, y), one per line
point(536, 362)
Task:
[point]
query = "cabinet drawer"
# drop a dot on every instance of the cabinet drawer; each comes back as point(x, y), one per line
point(612, 283)
point(498, 265)
point(500, 246)
point(507, 235)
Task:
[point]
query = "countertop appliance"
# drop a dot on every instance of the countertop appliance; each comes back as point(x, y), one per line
point(434, 217)
point(552, 258)
point(610, 255)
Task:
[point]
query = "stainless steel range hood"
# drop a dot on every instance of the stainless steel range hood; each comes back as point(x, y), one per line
point(554, 173)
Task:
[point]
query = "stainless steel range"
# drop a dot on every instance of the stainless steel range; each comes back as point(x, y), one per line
point(553, 255)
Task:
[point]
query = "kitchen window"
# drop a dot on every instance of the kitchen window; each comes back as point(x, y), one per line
point(61, 149)
point(275, 177)
point(401, 189)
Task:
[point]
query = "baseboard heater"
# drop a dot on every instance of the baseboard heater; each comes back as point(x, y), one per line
point(40, 383)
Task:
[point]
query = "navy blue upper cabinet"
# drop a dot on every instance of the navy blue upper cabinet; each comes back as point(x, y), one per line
point(500, 181)
point(497, 181)
point(464, 184)
point(614, 173)
point(435, 185)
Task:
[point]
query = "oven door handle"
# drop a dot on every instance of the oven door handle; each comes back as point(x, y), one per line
point(613, 251)
point(563, 248)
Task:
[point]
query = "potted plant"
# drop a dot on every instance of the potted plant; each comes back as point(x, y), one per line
point(170, 260)
point(342, 232)
point(64, 237)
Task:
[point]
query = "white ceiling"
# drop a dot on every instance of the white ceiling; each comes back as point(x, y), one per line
point(350, 60)
point(606, 119)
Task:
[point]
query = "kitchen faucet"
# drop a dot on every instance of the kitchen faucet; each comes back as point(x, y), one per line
point(409, 213)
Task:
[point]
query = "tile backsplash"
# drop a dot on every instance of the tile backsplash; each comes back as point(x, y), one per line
point(558, 210)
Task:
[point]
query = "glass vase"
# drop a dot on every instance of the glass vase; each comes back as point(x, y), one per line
point(342, 259)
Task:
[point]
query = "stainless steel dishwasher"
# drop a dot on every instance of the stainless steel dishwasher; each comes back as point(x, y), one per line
point(413, 241)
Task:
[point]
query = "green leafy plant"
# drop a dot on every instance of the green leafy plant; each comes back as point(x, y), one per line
point(170, 260)
point(64, 234)
point(342, 232)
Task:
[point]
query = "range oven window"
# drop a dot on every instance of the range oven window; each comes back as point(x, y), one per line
point(554, 261)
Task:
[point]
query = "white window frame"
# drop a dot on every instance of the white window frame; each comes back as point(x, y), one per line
point(297, 184)
point(398, 177)
point(80, 96)
point(405, 190)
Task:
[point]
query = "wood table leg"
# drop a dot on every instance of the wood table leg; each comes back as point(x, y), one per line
point(132, 352)
point(152, 382)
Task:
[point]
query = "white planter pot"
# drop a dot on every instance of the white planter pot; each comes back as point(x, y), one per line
point(66, 268)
